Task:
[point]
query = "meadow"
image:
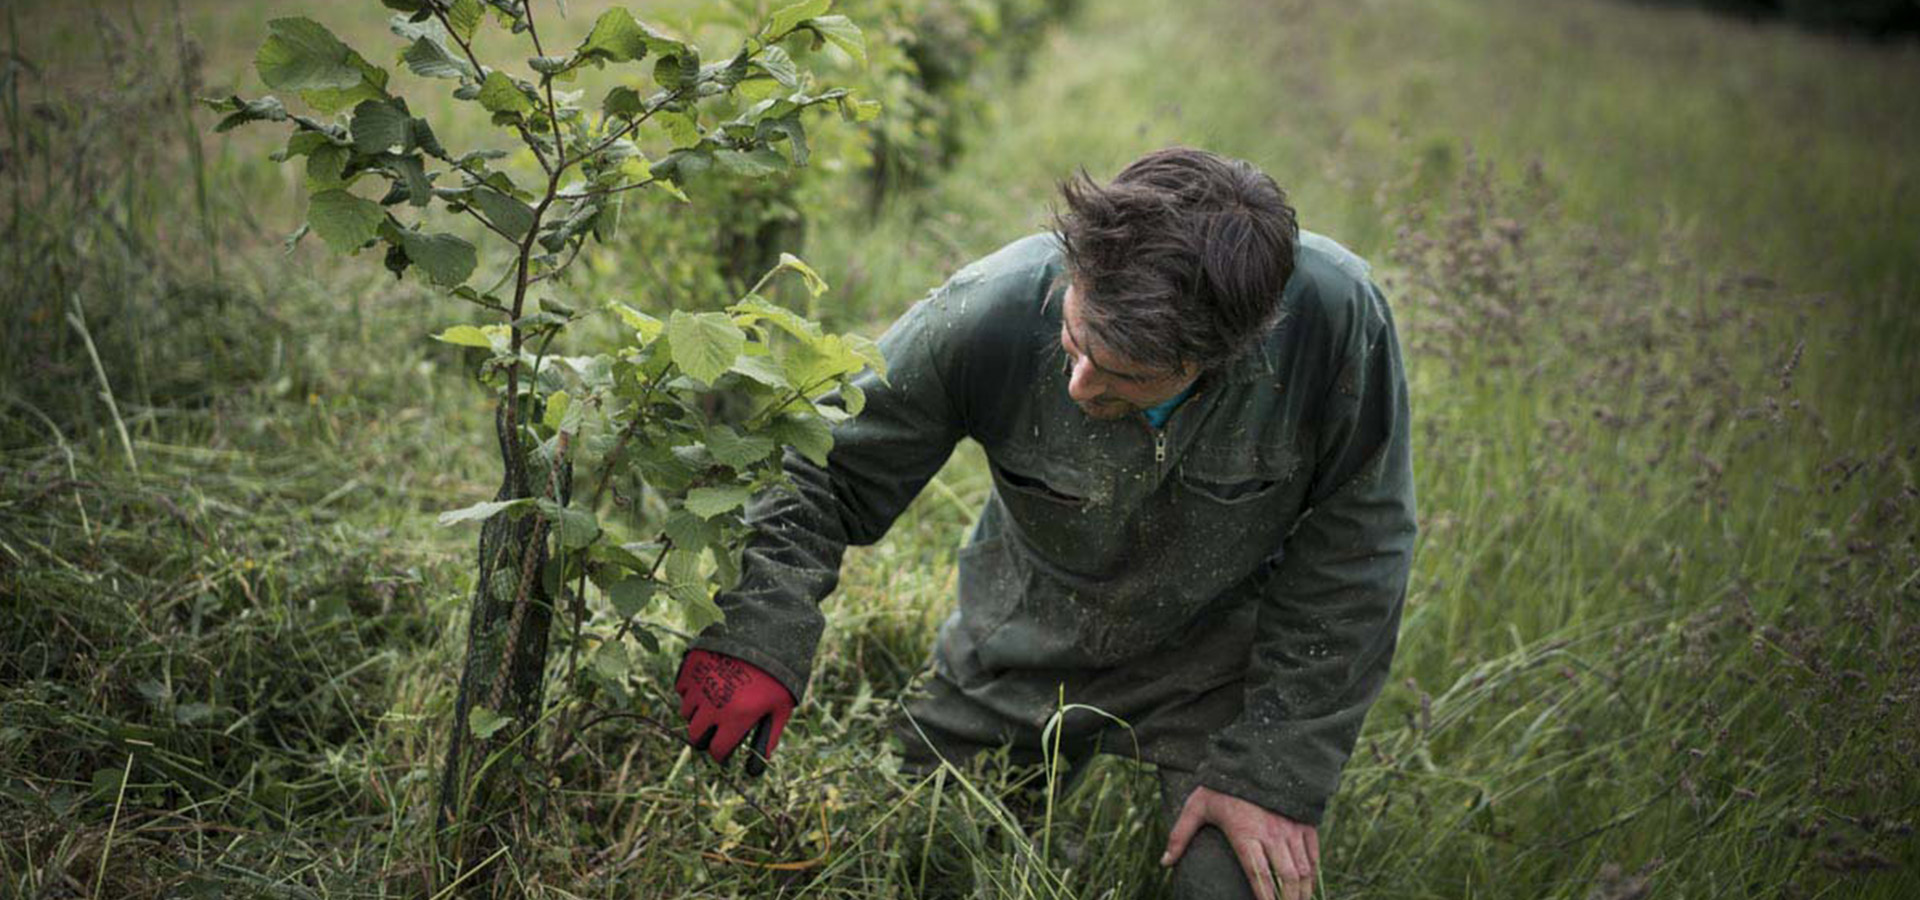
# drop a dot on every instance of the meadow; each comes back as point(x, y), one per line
point(1654, 269)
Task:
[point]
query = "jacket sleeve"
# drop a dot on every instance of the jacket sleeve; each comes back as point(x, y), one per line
point(880, 460)
point(1330, 612)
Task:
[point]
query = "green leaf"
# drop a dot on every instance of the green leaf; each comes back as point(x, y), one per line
point(413, 185)
point(463, 18)
point(681, 127)
point(688, 588)
point(615, 37)
point(556, 411)
point(813, 365)
point(630, 596)
point(810, 435)
point(707, 502)
point(302, 143)
point(646, 326)
point(795, 132)
point(484, 723)
point(791, 263)
point(499, 94)
point(853, 397)
point(465, 336)
point(677, 70)
point(430, 58)
point(240, 112)
point(754, 309)
point(575, 528)
point(756, 163)
point(733, 449)
point(787, 18)
point(302, 55)
point(344, 221)
point(779, 66)
point(448, 259)
point(326, 165)
point(856, 110)
point(868, 352)
point(372, 86)
point(704, 344)
point(763, 370)
point(697, 605)
point(610, 660)
point(623, 101)
point(841, 32)
point(482, 511)
point(507, 213)
point(380, 126)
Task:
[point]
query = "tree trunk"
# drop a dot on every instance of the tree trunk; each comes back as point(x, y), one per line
point(483, 806)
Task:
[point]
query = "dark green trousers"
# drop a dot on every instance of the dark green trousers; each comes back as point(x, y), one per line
point(942, 722)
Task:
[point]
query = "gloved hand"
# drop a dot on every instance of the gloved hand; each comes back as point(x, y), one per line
point(721, 697)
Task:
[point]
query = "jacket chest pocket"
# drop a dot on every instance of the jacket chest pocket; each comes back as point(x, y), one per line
point(1252, 477)
point(1064, 512)
point(1235, 508)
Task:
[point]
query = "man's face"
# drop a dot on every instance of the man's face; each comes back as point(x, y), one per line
point(1107, 386)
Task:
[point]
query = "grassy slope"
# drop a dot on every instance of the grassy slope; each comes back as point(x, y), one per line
point(1655, 625)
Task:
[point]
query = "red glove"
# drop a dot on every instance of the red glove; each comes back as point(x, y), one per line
point(721, 697)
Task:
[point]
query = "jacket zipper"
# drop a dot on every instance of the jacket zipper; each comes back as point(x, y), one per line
point(1159, 441)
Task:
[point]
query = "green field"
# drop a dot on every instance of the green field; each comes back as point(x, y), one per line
point(1655, 271)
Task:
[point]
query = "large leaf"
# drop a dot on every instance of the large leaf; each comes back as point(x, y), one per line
point(372, 86)
point(618, 37)
point(756, 163)
point(737, 450)
point(645, 327)
point(465, 336)
point(615, 37)
point(429, 58)
point(810, 435)
point(380, 126)
point(448, 259)
point(812, 366)
point(507, 213)
point(787, 18)
point(704, 344)
point(841, 32)
point(302, 55)
point(499, 94)
point(464, 18)
point(483, 722)
point(688, 588)
point(574, 527)
point(344, 221)
point(326, 165)
point(630, 596)
point(707, 502)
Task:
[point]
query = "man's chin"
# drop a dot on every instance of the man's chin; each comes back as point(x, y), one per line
point(1105, 412)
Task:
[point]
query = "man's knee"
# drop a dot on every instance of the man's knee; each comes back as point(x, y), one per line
point(1209, 870)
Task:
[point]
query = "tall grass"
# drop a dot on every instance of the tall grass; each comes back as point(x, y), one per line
point(1652, 270)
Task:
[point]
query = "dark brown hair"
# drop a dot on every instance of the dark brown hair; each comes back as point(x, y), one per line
point(1181, 258)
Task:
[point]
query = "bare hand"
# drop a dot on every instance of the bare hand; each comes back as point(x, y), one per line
point(1268, 844)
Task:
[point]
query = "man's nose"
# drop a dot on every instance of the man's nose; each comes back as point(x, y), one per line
point(1084, 384)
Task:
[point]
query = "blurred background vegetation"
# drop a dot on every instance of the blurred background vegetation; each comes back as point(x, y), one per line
point(1654, 264)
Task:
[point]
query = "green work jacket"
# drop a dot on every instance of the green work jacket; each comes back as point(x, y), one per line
point(1254, 549)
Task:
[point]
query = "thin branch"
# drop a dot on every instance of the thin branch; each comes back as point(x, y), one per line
point(563, 266)
point(546, 83)
point(608, 191)
point(479, 73)
point(492, 227)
